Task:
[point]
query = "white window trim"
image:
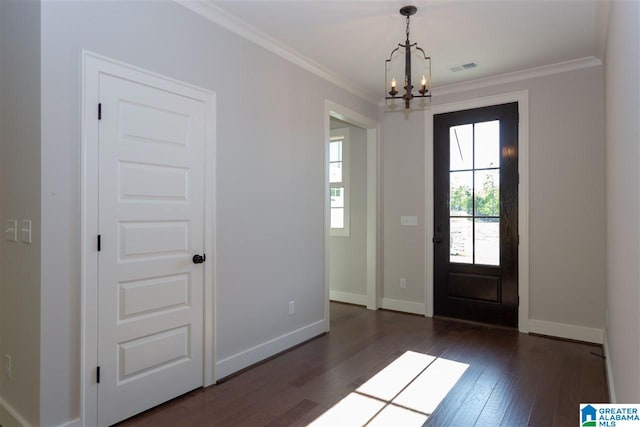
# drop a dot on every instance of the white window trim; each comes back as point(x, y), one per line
point(344, 134)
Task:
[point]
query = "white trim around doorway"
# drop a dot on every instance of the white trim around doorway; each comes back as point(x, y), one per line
point(522, 98)
point(372, 127)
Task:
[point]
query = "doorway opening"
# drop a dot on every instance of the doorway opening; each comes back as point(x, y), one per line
point(351, 204)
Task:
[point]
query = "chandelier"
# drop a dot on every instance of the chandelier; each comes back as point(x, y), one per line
point(416, 63)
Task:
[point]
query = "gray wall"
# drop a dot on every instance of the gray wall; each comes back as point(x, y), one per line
point(348, 255)
point(270, 174)
point(403, 169)
point(623, 188)
point(567, 194)
point(20, 199)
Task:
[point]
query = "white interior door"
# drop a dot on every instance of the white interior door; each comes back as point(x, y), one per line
point(151, 223)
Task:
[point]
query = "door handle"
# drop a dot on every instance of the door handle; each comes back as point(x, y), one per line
point(437, 240)
point(199, 259)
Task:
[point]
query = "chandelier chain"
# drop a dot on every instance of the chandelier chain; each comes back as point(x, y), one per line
point(407, 27)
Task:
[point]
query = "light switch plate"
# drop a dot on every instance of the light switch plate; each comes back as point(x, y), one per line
point(25, 231)
point(11, 232)
point(409, 220)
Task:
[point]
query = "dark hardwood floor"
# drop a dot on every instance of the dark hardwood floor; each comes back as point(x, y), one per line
point(512, 379)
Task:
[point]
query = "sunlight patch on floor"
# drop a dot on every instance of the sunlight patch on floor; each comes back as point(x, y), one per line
point(404, 393)
point(353, 410)
point(390, 381)
point(393, 415)
point(430, 387)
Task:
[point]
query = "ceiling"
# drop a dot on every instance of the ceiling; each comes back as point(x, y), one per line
point(352, 39)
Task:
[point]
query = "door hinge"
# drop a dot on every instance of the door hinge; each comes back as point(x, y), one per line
point(99, 242)
point(100, 111)
point(98, 375)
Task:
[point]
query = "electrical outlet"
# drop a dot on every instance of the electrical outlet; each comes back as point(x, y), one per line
point(403, 283)
point(292, 307)
point(8, 371)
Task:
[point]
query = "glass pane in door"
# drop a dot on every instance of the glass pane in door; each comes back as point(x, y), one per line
point(461, 240)
point(461, 193)
point(487, 145)
point(461, 147)
point(487, 241)
point(487, 192)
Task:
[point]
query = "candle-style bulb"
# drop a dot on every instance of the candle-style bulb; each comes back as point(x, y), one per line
point(393, 83)
point(424, 81)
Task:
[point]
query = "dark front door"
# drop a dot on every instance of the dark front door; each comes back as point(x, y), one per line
point(476, 214)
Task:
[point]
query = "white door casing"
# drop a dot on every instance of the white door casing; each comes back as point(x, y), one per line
point(372, 127)
point(522, 98)
point(153, 313)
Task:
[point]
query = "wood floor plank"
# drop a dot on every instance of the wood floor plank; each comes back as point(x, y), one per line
point(493, 411)
point(570, 394)
point(474, 351)
point(521, 404)
point(546, 400)
point(513, 379)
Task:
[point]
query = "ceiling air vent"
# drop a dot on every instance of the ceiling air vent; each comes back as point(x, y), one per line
point(465, 66)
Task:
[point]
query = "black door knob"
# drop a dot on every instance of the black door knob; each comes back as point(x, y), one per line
point(199, 259)
point(437, 240)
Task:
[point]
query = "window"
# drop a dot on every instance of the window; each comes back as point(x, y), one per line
point(339, 181)
point(474, 193)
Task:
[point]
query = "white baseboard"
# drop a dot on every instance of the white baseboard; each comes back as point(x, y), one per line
point(607, 361)
point(348, 297)
point(405, 306)
point(9, 417)
point(564, 330)
point(267, 349)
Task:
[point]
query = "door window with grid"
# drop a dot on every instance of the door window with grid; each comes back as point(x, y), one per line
point(474, 191)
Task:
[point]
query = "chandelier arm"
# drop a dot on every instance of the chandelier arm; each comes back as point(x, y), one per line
point(421, 50)
point(392, 52)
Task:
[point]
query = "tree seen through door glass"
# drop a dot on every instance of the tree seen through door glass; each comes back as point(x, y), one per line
point(460, 190)
point(474, 193)
point(487, 192)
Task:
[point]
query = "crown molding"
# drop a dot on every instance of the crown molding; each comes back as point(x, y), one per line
point(515, 76)
point(217, 15)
